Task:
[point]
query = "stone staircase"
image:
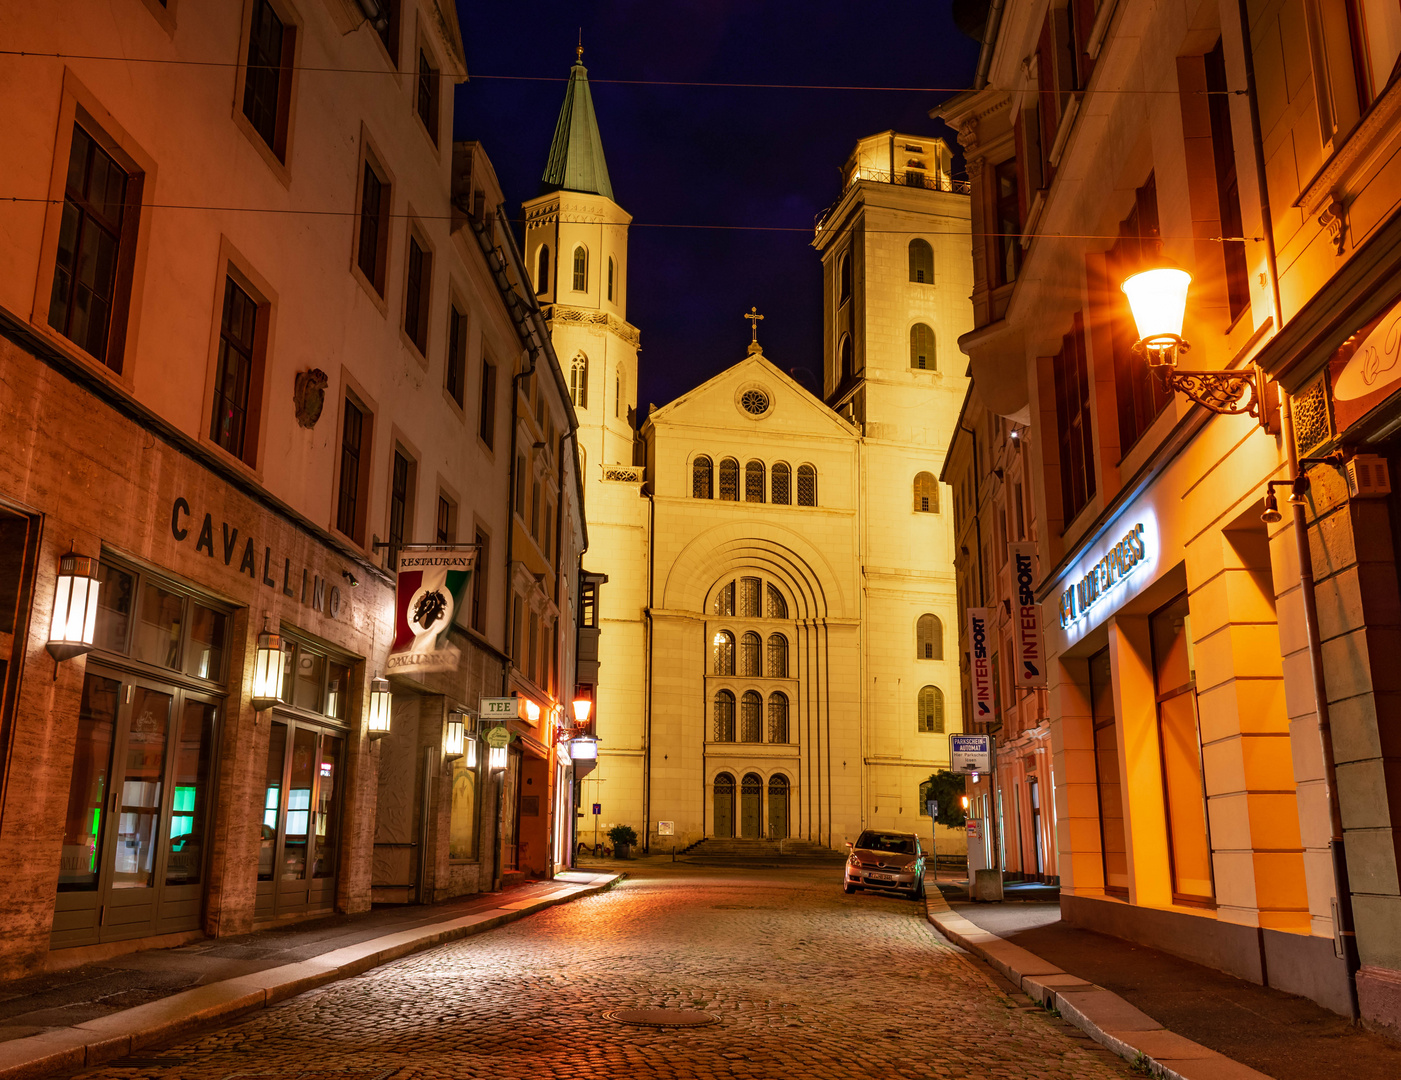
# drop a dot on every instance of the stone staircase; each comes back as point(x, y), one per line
point(723, 851)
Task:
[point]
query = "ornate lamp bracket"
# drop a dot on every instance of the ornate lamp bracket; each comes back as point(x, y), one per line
point(1229, 393)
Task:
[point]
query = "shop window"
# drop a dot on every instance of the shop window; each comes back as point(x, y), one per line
point(778, 656)
point(314, 681)
point(929, 638)
point(729, 480)
point(429, 93)
point(1184, 787)
point(373, 241)
point(807, 485)
point(722, 653)
point(778, 717)
point(751, 717)
point(921, 262)
point(157, 622)
point(486, 418)
point(782, 483)
point(922, 348)
point(701, 478)
point(1072, 390)
point(455, 369)
point(931, 710)
point(1140, 395)
point(462, 822)
point(754, 482)
point(724, 730)
point(418, 291)
point(926, 493)
point(1223, 148)
point(776, 607)
point(267, 84)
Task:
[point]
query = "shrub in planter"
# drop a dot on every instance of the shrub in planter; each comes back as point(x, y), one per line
point(624, 839)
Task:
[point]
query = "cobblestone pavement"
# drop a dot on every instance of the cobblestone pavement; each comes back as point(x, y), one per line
point(806, 983)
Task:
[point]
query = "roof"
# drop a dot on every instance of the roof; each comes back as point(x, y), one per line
point(576, 155)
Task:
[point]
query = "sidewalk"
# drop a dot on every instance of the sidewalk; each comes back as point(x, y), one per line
point(105, 1010)
point(1182, 1020)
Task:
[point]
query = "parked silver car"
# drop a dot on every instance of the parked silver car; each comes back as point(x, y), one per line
point(885, 860)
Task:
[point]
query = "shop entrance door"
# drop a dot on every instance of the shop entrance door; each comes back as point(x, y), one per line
point(138, 807)
point(301, 816)
point(1033, 790)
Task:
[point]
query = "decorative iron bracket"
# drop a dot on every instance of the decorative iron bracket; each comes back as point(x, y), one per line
point(1228, 393)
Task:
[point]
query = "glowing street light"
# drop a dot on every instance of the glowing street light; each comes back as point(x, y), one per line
point(74, 622)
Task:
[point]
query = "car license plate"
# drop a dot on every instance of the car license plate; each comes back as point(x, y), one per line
point(881, 877)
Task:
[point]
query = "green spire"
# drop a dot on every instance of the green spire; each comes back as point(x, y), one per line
point(576, 155)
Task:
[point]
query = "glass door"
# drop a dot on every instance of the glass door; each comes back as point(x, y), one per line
point(300, 835)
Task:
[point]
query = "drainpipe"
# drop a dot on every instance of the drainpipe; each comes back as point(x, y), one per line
point(1344, 933)
point(647, 773)
point(990, 28)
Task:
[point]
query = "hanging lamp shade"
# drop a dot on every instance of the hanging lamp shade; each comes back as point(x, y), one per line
point(1158, 300)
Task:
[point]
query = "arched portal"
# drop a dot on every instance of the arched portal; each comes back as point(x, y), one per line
point(724, 805)
point(751, 805)
point(778, 807)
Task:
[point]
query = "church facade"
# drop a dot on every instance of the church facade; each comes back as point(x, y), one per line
point(777, 650)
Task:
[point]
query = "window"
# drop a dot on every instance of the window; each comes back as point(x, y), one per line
point(581, 270)
point(401, 480)
point(535, 519)
point(778, 656)
point(542, 271)
point(722, 653)
point(428, 93)
point(1007, 199)
point(927, 794)
point(751, 709)
point(922, 347)
point(579, 381)
point(515, 629)
point(1113, 847)
point(486, 420)
point(389, 32)
point(807, 485)
point(417, 289)
point(921, 262)
point(929, 638)
point(355, 441)
point(618, 391)
point(610, 279)
point(314, 681)
point(1375, 27)
point(725, 599)
point(931, 710)
point(267, 84)
point(926, 493)
point(749, 598)
point(1223, 149)
point(778, 717)
point(845, 360)
point(1140, 395)
point(777, 606)
point(532, 656)
point(588, 605)
point(729, 479)
point(374, 227)
point(155, 621)
point(724, 717)
point(455, 370)
point(479, 587)
point(236, 379)
point(445, 521)
point(702, 473)
point(520, 486)
point(754, 482)
point(782, 480)
point(750, 645)
point(88, 300)
point(1072, 390)
point(844, 278)
point(549, 532)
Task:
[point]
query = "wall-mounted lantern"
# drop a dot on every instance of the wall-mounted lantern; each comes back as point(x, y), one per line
point(75, 607)
point(583, 748)
point(582, 708)
point(454, 736)
point(532, 711)
point(496, 758)
point(380, 700)
point(269, 667)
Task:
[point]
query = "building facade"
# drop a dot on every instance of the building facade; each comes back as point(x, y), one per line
point(1218, 706)
point(240, 410)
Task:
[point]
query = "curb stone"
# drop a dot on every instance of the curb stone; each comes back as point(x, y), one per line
point(106, 1038)
point(1101, 1014)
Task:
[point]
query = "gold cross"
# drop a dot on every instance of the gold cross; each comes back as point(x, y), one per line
point(753, 318)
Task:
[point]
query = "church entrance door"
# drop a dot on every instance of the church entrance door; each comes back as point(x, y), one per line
point(724, 805)
point(751, 799)
point(778, 808)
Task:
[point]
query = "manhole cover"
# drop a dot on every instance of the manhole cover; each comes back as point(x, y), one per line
point(661, 1018)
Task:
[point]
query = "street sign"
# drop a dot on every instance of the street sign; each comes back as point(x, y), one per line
point(932, 805)
point(498, 736)
point(500, 708)
point(597, 808)
point(970, 753)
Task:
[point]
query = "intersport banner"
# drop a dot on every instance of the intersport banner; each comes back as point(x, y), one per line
point(980, 663)
point(1026, 625)
point(429, 588)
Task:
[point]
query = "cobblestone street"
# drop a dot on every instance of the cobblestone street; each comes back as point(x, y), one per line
point(805, 982)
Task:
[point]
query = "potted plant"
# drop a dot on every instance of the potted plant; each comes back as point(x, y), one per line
point(624, 838)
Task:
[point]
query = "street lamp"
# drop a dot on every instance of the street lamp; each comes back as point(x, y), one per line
point(582, 708)
point(380, 700)
point(74, 622)
point(268, 669)
point(1157, 297)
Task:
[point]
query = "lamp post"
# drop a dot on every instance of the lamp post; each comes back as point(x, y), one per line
point(1157, 297)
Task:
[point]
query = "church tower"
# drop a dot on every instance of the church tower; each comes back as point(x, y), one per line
point(576, 244)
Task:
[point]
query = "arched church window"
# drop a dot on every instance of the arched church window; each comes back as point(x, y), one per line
point(844, 359)
point(921, 261)
point(922, 348)
point(579, 381)
point(782, 484)
point(729, 479)
point(725, 599)
point(754, 482)
point(722, 653)
point(542, 272)
point(749, 598)
point(749, 647)
point(926, 493)
point(778, 717)
point(931, 710)
point(610, 279)
point(581, 269)
point(807, 485)
point(778, 656)
point(702, 473)
point(929, 638)
point(844, 278)
point(618, 391)
point(777, 606)
point(724, 717)
point(751, 708)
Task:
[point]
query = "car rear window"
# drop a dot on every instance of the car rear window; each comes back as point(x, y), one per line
point(893, 843)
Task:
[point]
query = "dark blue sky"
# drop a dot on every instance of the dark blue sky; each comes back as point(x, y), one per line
point(711, 156)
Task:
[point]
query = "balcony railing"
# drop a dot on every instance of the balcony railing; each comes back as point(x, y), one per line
point(904, 178)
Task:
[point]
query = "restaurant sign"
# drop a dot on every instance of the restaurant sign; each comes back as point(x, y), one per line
point(428, 591)
point(1117, 564)
point(1366, 369)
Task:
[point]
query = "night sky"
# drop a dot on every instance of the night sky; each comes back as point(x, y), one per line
point(709, 156)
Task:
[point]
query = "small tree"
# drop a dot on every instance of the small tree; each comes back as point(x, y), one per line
point(947, 789)
point(623, 834)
